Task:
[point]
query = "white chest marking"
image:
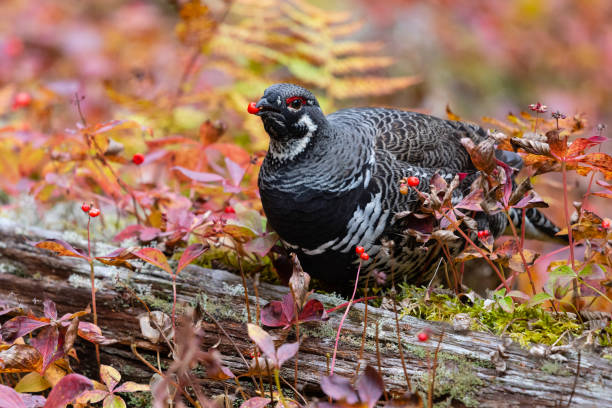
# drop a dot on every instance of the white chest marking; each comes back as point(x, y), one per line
point(288, 150)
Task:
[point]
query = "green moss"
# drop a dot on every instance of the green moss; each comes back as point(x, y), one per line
point(138, 399)
point(554, 368)
point(455, 381)
point(156, 303)
point(525, 324)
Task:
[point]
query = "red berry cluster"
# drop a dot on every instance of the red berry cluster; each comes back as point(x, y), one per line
point(406, 182)
point(359, 250)
point(229, 210)
point(90, 210)
point(538, 107)
point(138, 159)
point(483, 234)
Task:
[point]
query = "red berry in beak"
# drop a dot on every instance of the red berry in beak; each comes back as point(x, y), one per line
point(252, 109)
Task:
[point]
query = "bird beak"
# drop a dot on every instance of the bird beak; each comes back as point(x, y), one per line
point(265, 105)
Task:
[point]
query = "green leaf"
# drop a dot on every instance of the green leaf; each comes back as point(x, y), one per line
point(540, 298)
point(506, 304)
point(191, 253)
point(586, 271)
point(113, 401)
point(563, 270)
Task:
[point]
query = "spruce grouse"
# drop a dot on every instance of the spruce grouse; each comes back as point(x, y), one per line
point(330, 183)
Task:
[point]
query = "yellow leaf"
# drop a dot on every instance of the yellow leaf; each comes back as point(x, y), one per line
point(32, 382)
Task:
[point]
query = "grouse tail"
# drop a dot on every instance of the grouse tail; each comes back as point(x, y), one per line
point(537, 225)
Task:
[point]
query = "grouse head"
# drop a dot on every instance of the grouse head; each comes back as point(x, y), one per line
point(289, 113)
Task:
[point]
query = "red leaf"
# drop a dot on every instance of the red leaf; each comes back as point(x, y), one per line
point(289, 306)
point(262, 245)
point(370, 386)
point(165, 141)
point(191, 252)
point(61, 248)
point(339, 388)
point(50, 309)
point(67, 389)
point(91, 332)
point(50, 345)
point(255, 402)
point(272, 315)
point(32, 401)
point(155, 257)
point(9, 398)
point(472, 201)
point(598, 139)
point(313, 310)
point(20, 326)
point(236, 172)
point(198, 176)
point(128, 232)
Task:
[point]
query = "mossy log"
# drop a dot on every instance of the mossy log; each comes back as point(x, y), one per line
point(465, 372)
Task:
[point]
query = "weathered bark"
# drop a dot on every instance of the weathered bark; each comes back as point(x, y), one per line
point(28, 275)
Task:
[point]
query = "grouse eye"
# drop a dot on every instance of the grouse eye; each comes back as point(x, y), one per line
point(295, 102)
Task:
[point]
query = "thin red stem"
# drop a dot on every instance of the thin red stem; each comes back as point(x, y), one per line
point(173, 301)
point(92, 278)
point(480, 251)
point(333, 363)
point(520, 245)
point(333, 309)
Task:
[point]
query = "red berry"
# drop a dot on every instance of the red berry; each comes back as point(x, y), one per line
point(605, 224)
point(85, 207)
point(413, 181)
point(94, 212)
point(462, 176)
point(252, 109)
point(364, 256)
point(229, 210)
point(359, 250)
point(422, 336)
point(483, 234)
point(138, 159)
point(22, 99)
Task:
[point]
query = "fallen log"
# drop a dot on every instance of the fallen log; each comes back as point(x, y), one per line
point(466, 376)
